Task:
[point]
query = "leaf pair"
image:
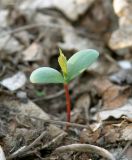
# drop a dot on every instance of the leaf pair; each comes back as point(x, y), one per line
point(79, 62)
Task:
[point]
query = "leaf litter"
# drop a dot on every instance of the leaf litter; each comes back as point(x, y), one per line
point(31, 34)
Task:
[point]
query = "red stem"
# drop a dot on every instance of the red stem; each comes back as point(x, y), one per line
point(68, 102)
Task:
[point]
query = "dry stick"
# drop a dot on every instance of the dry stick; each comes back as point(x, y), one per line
point(125, 148)
point(86, 148)
point(69, 124)
point(30, 26)
point(57, 94)
point(27, 148)
point(51, 25)
point(61, 122)
point(55, 140)
point(52, 142)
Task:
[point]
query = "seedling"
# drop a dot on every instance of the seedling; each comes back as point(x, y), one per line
point(78, 63)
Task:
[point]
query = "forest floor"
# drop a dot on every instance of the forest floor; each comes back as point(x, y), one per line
point(33, 117)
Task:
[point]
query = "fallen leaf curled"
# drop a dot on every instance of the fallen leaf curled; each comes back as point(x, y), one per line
point(113, 96)
point(125, 110)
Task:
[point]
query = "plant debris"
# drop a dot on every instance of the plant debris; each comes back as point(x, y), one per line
point(32, 117)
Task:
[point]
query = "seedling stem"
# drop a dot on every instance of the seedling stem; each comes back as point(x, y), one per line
point(68, 102)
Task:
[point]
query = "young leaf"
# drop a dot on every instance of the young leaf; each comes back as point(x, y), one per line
point(80, 61)
point(46, 75)
point(63, 63)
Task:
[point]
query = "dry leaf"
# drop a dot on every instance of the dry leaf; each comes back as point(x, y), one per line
point(125, 110)
point(71, 8)
point(33, 52)
point(81, 110)
point(113, 96)
point(2, 155)
point(15, 82)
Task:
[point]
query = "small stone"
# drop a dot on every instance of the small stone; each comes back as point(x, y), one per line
point(125, 64)
point(122, 77)
point(22, 96)
point(121, 38)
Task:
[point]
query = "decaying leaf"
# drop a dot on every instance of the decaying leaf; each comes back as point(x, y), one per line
point(9, 44)
point(108, 133)
point(113, 96)
point(121, 38)
point(71, 8)
point(33, 53)
point(15, 82)
point(125, 110)
point(2, 155)
point(3, 18)
point(81, 110)
point(73, 41)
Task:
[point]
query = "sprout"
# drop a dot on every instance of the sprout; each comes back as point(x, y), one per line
point(70, 69)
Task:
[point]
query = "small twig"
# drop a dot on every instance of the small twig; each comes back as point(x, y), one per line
point(86, 148)
point(52, 142)
point(125, 148)
point(20, 123)
point(62, 123)
point(30, 26)
point(55, 140)
point(55, 95)
point(59, 122)
point(27, 148)
point(26, 27)
point(51, 25)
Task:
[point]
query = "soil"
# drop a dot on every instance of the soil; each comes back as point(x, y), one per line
point(101, 97)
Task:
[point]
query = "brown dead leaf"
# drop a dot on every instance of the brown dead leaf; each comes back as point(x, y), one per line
point(122, 112)
point(113, 133)
point(81, 110)
point(113, 96)
point(109, 133)
point(129, 153)
point(87, 136)
point(126, 133)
